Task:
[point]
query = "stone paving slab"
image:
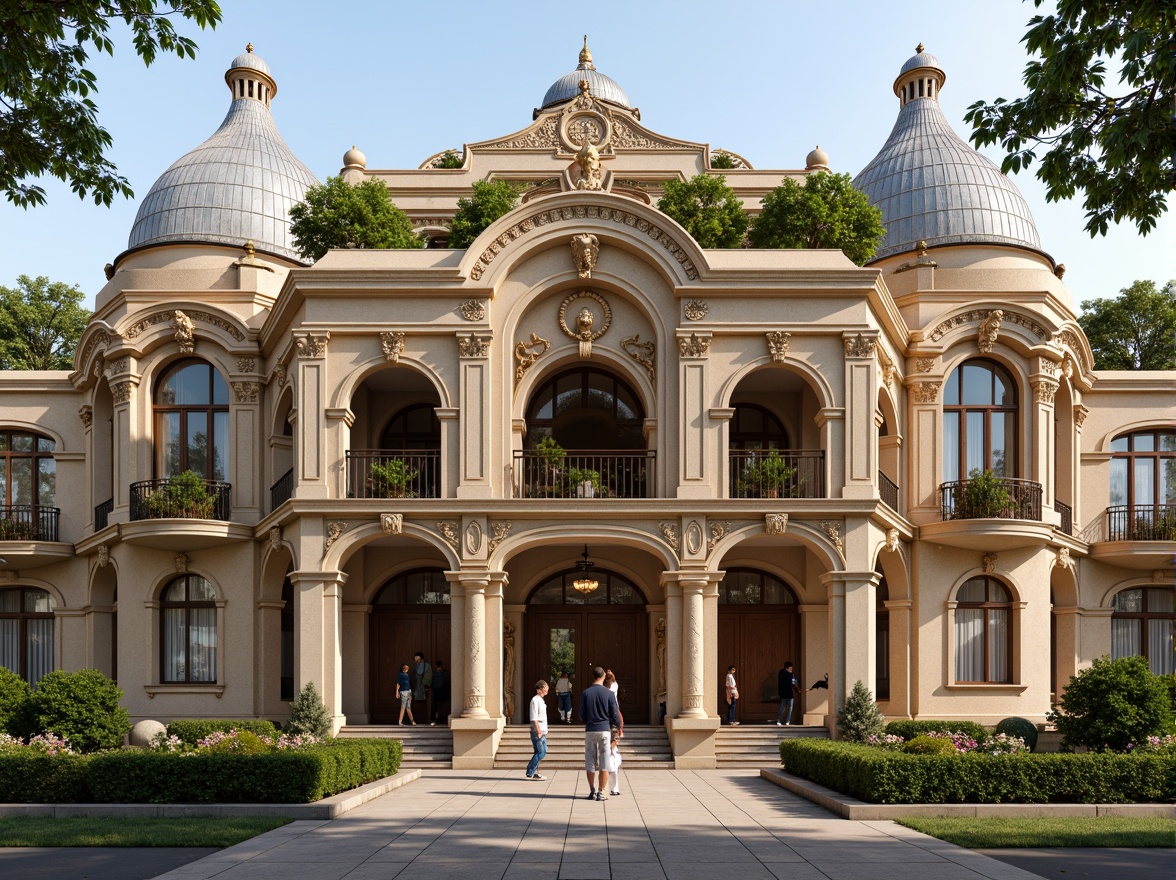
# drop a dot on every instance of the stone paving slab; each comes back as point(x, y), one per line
point(667, 825)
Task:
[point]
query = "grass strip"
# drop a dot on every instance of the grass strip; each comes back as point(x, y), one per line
point(111, 831)
point(1005, 832)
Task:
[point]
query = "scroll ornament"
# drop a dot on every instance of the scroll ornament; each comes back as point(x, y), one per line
point(642, 352)
point(526, 353)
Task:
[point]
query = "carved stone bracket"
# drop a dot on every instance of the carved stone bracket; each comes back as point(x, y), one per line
point(669, 530)
point(584, 333)
point(778, 342)
point(311, 345)
point(859, 346)
point(925, 392)
point(1080, 414)
point(888, 373)
point(1062, 558)
point(775, 523)
point(499, 532)
point(103, 555)
point(642, 352)
point(447, 529)
point(694, 347)
point(392, 343)
point(86, 414)
point(695, 309)
point(892, 540)
point(275, 537)
point(585, 250)
point(392, 523)
point(180, 560)
point(473, 346)
point(526, 353)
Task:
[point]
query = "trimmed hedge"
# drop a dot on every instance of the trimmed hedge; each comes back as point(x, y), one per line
point(135, 776)
point(190, 730)
point(883, 777)
point(908, 730)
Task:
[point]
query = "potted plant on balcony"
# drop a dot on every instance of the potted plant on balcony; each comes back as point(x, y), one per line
point(983, 495)
point(551, 460)
point(14, 529)
point(584, 482)
point(183, 496)
point(774, 474)
point(391, 478)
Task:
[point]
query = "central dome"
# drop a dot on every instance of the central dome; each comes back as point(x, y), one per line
point(568, 86)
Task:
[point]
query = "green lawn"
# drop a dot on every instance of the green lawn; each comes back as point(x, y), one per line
point(995, 833)
point(134, 832)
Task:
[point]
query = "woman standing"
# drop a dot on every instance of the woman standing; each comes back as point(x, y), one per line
point(732, 695)
point(563, 692)
point(610, 682)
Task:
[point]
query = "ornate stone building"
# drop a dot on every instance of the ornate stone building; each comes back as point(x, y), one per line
point(754, 456)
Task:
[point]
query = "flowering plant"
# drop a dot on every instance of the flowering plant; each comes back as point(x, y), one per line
point(1004, 744)
point(45, 743)
point(1162, 744)
point(887, 741)
point(164, 743)
point(961, 741)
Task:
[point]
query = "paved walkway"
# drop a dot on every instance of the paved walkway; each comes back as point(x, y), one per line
point(677, 825)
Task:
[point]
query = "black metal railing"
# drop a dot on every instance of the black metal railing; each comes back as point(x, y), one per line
point(28, 522)
point(888, 491)
point(281, 491)
point(995, 498)
point(177, 498)
point(1067, 513)
point(394, 473)
point(1141, 522)
point(771, 473)
point(102, 514)
point(584, 474)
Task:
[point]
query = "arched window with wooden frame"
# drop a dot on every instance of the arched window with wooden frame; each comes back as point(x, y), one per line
point(1143, 487)
point(1142, 626)
point(188, 631)
point(28, 487)
point(191, 410)
point(983, 632)
point(979, 421)
point(27, 632)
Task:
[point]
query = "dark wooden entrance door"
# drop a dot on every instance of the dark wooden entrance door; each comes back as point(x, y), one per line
point(758, 642)
point(398, 632)
point(577, 639)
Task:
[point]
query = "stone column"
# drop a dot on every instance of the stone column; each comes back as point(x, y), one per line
point(318, 599)
point(691, 728)
point(310, 428)
point(693, 647)
point(861, 435)
point(674, 653)
point(900, 657)
point(495, 644)
point(852, 637)
point(1042, 443)
point(478, 727)
point(694, 469)
point(474, 699)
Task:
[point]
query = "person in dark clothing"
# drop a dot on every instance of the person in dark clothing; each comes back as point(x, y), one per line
point(786, 682)
point(600, 714)
point(440, 694)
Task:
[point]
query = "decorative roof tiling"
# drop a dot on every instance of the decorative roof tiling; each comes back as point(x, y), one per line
point(920, 59)
point(568, 86)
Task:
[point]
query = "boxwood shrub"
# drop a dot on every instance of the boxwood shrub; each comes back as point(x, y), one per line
point(883, 777)
point(27, 777)
point(908, 730)
point(190, 730)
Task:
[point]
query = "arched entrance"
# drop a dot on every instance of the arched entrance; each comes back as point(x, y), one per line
point(608, 627)
point(410, 613)
point(759, 630)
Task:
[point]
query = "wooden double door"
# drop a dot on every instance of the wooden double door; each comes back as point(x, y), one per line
point(576, 640)
point(758, 643)
point(398, 632)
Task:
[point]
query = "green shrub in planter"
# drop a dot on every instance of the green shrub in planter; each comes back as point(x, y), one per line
point(184, 496)
point(14, 691)
point(859, 718)
point(190, 730)
point(27, 777)
point(82, 707)
point(1021, 727)
point(1113, 703)
point(308, 714)
point(908, 730)
point(929, 745)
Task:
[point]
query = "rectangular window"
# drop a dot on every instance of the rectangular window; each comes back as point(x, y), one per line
point(998, 645)
point(975, 444)
point(969, 632)
point(175, 645)
point(1118, 481)
point(1159, 646)
point(951, 445)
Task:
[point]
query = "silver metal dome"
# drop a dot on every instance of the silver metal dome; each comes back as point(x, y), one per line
point(920, 59)
point(251, 61)
point(568, 86)
point(932, 186)
point(236, 186)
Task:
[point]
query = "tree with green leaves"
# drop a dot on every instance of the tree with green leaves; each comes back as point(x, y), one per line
point(40, 324)
point(338, 215)
point(48, 118)
point(449, 159)
point(308, 714)
point(825, 212)
point(1136, 331)
point(489, 201)
point(1110, 140)
point(707, 208)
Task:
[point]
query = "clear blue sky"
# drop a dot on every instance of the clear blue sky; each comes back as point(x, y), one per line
point(768, 80)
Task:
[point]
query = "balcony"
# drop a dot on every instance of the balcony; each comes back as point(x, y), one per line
point(888, 491)
point(102, 514)
point(785, 473)
point(184, 512)
point(28, 537)
point(1138, 536)
point(1066, 512)
point(281, 491)
point(394, 473)
point(989, 513)
point(583, 474)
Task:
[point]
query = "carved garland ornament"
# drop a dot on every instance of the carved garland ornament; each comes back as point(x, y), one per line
point(925, 392)
point(392, 344)
point(642, 352)
point(448, 530)
point(718, 531)
point(778, 342)
point(585, 320)
point(669, 530)
point(696, 309)
point(163, 317)
point(500, 531)
point(832, 531)
point(473, 310)
point(334, 531)
point(583, 212)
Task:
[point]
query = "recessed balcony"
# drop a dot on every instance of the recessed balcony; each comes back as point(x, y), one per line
point(1137, 536)
point(777, 473)
point(989, 513)
point(394, 473)
point(28, 537)
point(183, 512)
point(583, 474)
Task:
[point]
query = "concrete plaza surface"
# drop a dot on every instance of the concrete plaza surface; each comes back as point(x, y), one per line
point(712, 825)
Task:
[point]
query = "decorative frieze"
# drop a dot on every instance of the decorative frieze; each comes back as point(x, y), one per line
point(925, 392)
point(392, 523)
point(334, 531)
point(585, 251)
point(669, 530)
point(447, 529)
point(694, 347)
point(642, 352)
point(193, 315)
point(499, 532)
point(775, 523)
point(978, 315)
point(526, 353)
point(832, 531)
point(585, 333)
point(246, 365)
point(392, 344)
point(695, 309)
point(859, 346)
point(473, 346)
point(117, 367)
point(1046, 367)
point(778, 342)
point(311, 345)
point(473, 310)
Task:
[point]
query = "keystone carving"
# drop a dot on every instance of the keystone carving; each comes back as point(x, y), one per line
point(184, 332)
point(988, 562)
point(585, 250)
point(989, 330)
point(392, 523)
point(392, 343)
point(775, 523)
point(778, 342)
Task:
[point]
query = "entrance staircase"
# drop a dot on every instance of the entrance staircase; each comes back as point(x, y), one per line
point(757, 745)
point(425, 748)
point(643, 748)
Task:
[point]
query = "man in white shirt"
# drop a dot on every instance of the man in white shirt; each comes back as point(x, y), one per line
point(538, 718)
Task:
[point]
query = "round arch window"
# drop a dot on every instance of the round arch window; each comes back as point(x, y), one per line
point(983, 631)
point(587, 408)
point(189, 637)
point(426, 586)
point(612, 589)
point(191, 408)
point(749, 586)
point(979, 421)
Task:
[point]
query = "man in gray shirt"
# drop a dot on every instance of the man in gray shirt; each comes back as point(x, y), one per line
point(600, 713)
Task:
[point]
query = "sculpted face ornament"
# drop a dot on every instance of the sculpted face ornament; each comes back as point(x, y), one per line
point(588, 166)
point(184, 334)
point(585, 250)
point(584, 333)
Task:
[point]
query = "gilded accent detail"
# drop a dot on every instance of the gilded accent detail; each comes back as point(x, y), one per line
point(943, 327)
point(526, 355)
point(778, 342)
point(832, 531)
point(163, 317)
point(642, 352)
point(925, 392)
point(775, 523)
point(585, 320)
point(989, 331)
point(694, 347)
point(392, 344)
point(585, 251)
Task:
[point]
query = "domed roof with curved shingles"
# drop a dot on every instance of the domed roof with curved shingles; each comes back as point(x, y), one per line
point(238, 185)
point(932, 186)
point(568, 86)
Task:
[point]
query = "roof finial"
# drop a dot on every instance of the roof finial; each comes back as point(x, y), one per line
point(249, 48)
point(585, 55)
point(918, 48)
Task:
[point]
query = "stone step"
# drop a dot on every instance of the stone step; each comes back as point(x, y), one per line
point(643, 748)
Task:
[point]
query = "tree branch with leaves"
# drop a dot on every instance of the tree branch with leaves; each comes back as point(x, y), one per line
point(40, 324)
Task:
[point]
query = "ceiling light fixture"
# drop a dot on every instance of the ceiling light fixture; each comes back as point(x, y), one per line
point(585, 583)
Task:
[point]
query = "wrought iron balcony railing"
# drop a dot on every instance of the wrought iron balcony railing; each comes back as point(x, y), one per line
point(888, 491)
point(28, 522)
point(176, 498)
point(583, 474)
point(1067, 513)
point(281, 491)
point(996, 498)
point(394, 473)
point(1141, 522)
point(102, 514)
point(771, 473)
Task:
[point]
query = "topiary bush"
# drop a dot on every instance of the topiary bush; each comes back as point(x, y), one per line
point(1021, 727)
point(1112, 704)
point(910, 729)
point(14, 692)
point(930, 745)
point(308, 714)
point(82, 707)
point(859, 718)
point(189, 730)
